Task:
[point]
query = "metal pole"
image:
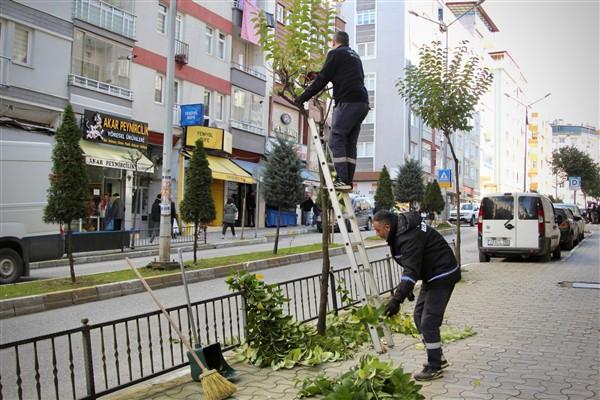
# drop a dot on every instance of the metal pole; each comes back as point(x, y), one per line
point(243, 213)
point(525, 157)
point(256, 203)
point(165, 206)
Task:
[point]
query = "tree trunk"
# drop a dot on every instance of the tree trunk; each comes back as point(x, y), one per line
point(326, 268)
point(243, 213)
point(457, 190)
point(195, 239)
point(70, 252)
point(277, 231)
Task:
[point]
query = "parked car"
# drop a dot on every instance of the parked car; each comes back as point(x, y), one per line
point(517, 224)
point(363, 210)
point(578, 217)
point(468, 213)
point(568, 227)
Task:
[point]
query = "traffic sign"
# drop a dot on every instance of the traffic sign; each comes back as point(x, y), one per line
point(574, 183)
point(445, 177)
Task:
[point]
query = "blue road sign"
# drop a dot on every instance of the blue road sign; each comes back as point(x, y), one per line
point(574, 183)
point(445, 177)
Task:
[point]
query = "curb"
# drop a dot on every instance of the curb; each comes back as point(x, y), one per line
point(44, 302)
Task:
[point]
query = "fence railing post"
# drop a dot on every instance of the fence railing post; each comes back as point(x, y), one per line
point(88, 361)
point(244, 317)
point(333, 293)
point(390, 276)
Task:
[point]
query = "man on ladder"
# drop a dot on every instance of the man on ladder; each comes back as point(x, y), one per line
point(425, 255)
point(344, 69)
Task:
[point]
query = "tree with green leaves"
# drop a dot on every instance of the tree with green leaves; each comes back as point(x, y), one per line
point(409, 186)
point(433, 202)
point(293, 59)
point(197, 205)
point(283, 182)
point(444, 94)
point(384, 195)
point(555, 199)
point(570, 161)
point(68, 192)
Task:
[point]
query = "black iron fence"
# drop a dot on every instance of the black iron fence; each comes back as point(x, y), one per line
point(149, 237)
point(95, 360)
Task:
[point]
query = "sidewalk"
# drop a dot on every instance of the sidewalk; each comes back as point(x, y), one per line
point(535, 340)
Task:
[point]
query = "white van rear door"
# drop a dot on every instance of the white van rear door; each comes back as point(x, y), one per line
point(498, 228)
point(527, 222)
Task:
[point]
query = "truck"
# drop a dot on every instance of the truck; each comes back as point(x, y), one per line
point(25, 168)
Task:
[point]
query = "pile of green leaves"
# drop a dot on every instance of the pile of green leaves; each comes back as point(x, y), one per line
point(275, 339)
point(370, 379)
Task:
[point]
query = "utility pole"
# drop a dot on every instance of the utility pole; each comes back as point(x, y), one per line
point(165, 206)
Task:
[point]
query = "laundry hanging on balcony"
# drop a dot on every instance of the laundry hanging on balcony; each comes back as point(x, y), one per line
point(249, 31)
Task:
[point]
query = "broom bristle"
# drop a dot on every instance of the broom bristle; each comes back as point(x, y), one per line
point(215, 386)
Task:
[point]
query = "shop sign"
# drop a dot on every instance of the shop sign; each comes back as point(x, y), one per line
point(117, 164)
point(109, 129)
point(192, 114)
point(284, 122)
point(212, 138)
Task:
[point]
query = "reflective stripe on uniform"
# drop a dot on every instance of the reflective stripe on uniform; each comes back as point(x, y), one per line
point(444, 274)
point(344, 159)
point(407, 278)
point(433, 346)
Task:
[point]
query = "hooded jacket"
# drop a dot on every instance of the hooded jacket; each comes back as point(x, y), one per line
point(423, 253)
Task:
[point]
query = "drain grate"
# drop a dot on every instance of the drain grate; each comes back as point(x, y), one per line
point(579, 285)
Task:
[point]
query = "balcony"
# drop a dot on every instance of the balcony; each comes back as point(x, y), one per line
point(182, 52)
point(97, 86)
point(4, 70)
point(106, 16)
point(247, 127)
point(250, 71)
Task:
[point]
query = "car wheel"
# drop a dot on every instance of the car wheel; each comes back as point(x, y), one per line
point(556, 253)
point(570, 243)
point(473, 220)
point(11, 266)
point(483, 257)
point(546, 256)
point(369, 224)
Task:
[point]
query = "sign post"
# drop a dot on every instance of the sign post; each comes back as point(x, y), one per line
point(574, 185)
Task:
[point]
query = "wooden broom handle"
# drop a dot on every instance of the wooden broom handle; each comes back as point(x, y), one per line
point(167, 316)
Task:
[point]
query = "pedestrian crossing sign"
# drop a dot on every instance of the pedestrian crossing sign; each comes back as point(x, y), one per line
point(445, 177)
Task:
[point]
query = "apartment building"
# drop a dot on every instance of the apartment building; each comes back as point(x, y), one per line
point(539, 155)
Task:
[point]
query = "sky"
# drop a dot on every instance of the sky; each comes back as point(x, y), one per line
point(556, 43)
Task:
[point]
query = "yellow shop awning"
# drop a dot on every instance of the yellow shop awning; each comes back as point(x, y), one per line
point(225, 170)
point(110, 156)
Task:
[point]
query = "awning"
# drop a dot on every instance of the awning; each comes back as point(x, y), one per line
point(225, 170)
point(309, 175)
point(254, 169)
point(109, 156)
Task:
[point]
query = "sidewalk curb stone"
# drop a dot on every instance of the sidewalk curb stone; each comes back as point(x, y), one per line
point(32, 304)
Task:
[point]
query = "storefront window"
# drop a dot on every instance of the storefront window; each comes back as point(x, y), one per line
point(100, 59)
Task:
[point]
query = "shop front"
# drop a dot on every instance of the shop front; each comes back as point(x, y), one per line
point(229, 180)
point(118, 171)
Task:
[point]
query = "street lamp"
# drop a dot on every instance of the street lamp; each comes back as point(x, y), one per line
point(527, 106)
point(444, 28)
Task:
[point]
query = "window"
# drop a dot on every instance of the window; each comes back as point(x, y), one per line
point(158, 88)
point(22, 45)
point(206, 105)
point(370, 81)
point(219, 107)
point(96, 58)
point(176, 92)
point(280, 14)
point(365, 150)
point(247, 108)
point(528, 207)
point(209, 34)
point(370, 118)
point(426, 157)
point(161, 26)
point(366, 50)
point(221, 46)
point(500, 207)
point(179, 27)
point(365, 17)
point(288, 17)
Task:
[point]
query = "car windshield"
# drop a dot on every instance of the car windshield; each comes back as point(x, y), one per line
point(466, 207)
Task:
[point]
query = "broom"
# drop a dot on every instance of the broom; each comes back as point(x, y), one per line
point(214, 385)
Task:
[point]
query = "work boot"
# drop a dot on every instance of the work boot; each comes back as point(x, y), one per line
point(445, 363)
point(428, 374)
point(341, 186)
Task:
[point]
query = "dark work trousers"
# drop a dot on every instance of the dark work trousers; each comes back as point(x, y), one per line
point(229, 225)
point(429, 314)
point(345, 128)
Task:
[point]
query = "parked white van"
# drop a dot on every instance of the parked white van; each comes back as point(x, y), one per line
point(24, 237)
point(517, 224)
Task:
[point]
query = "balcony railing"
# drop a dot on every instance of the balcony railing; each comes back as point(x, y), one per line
point(106, 16)
point(4, 70)
point(249, 70)
point(92, 84)
point(247, 127)
point(182, 52)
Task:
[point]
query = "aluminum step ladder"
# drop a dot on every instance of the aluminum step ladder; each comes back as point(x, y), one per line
point(359, 260)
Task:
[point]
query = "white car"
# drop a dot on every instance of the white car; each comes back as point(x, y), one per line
point(517, 224)
point(468, 213)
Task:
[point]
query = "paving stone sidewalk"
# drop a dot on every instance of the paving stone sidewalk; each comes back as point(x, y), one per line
point(535, 340)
